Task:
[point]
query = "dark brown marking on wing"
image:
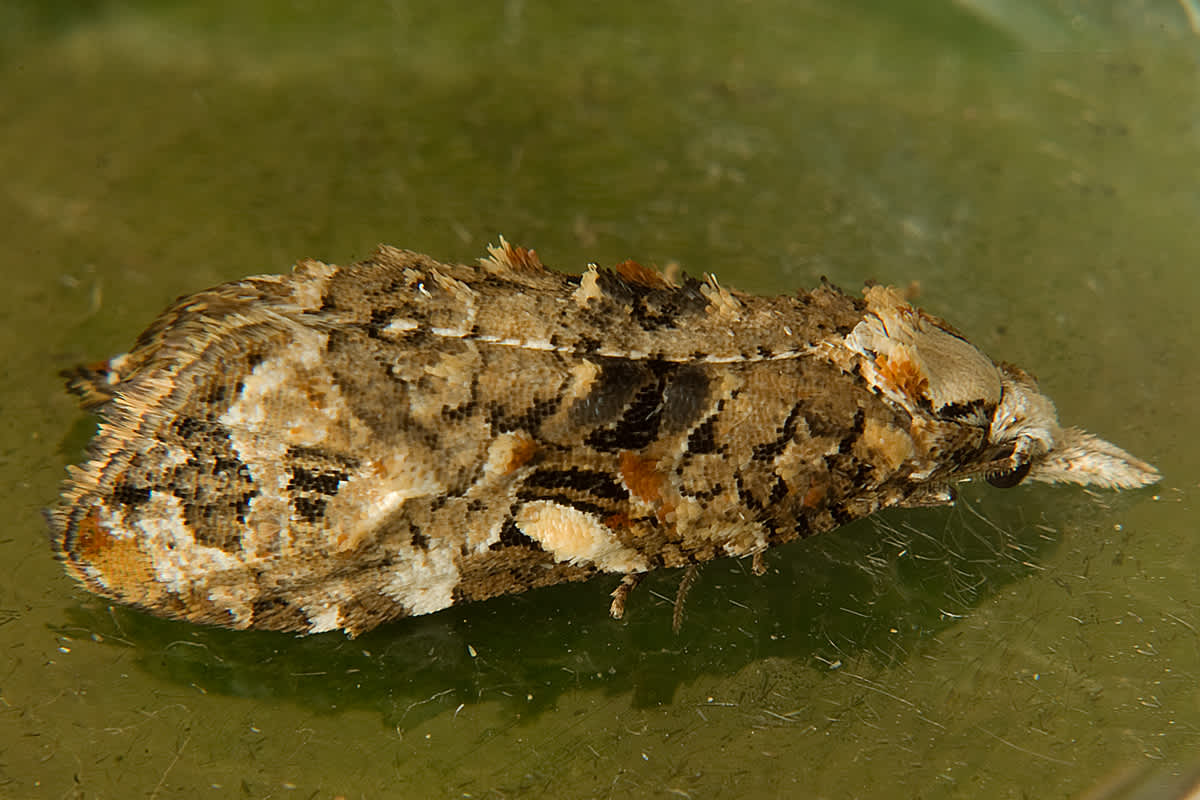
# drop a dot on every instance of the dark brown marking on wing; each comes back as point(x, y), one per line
point(639, 425)
point(214, 486)
point(512, 536)
point(504, 421)
point(127, 494)
point(701, 440)
point(768, 451)
point(272, 612)
point(359, 367)
point(315, 476)
point(513, 569)
point(614, 387)
point(597, 484)
point(685, 396)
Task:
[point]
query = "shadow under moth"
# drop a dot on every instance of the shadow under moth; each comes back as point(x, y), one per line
point(342, 446)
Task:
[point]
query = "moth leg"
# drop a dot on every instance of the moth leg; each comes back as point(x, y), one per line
point(758, 564)
point(685, 586)
point(621, 593)
point(930, 497)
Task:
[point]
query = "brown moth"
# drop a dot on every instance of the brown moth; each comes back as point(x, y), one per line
point(342, 446)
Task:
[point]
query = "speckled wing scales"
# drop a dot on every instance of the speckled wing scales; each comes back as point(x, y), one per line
point(342, 446)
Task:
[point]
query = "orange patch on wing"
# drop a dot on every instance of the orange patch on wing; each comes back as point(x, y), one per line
point(618, 521)
point(124, 570)
point(523, 450)
point(903, 375)
point(646, 483)
point(643, 276)
point(641, 476)
point(814, 496)
point(91, 540)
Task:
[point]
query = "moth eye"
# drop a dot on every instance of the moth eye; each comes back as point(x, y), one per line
point(1008, 478)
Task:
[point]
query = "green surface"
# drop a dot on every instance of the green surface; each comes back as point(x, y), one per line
point(1033, 166)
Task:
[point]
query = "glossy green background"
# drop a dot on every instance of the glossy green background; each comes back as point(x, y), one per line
point(1034, 166)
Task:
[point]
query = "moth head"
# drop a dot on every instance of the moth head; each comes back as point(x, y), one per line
point(925, 366)
point(1028, 442)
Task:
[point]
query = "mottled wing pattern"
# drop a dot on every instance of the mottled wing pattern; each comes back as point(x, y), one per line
point(342, 446)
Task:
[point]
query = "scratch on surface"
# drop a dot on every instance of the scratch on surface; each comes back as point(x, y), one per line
point(163, 779)
point(1027, 752)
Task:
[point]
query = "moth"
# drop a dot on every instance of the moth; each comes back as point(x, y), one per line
point(342, 446)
